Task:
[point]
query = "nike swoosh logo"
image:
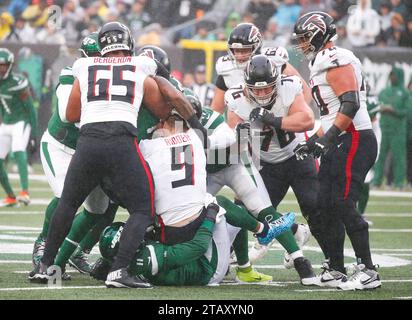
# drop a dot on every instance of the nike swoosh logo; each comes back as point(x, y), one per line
point(327, 280)
point(367, 281)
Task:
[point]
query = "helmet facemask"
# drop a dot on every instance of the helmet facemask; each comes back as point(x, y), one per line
point(263, 94)
point(303, 44)
point(241, 58)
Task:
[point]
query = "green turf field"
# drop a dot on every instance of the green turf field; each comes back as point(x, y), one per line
point(391, 242)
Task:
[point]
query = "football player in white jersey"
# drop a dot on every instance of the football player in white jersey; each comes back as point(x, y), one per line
point(106, 97)
point(346, 144)
point(274, 106)
point(244, 41)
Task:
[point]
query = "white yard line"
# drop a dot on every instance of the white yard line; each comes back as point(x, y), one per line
point(10, 228)
point(403, 298)
point(51, 288)
point(391, 230)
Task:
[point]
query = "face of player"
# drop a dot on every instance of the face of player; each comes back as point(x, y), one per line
point(200, 77)
point(3, 70)
point(263, 96)
point(303, 45)
point(242, 55)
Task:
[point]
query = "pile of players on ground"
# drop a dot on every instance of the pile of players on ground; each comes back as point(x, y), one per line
point(126, 133)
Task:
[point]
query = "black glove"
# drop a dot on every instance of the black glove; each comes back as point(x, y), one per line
point(243, 131)
point(32, 145)
point(212, 211)
point(100, 269)
point(266, 117)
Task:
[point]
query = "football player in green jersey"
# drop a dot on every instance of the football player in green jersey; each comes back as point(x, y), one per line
point(18, 128)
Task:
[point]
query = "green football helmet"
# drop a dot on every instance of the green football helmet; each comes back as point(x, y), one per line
point(194, 101)
point(6, 58)
point(109, 240)
point(90, 46)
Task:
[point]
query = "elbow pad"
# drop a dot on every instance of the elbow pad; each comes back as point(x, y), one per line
point(349, 103)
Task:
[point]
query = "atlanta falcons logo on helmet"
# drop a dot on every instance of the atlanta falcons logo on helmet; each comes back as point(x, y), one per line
point(315, 22)
point(148, 53)
point(254, 34)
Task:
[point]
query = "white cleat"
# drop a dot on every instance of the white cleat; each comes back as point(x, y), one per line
point(258, 251)
point(361, 279)
point(330, 278)
point(302, 236)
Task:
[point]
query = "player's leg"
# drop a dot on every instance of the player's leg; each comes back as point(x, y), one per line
point(398, 147)
point(133, 182)
point(84, 174)
point(305, 185)
point(79, 258)
point(383, 153)
point(55, 163)
point(5, 147)
point(20, 139)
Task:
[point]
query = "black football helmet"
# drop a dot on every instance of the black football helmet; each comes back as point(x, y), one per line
point(312, 31)
point(244, 36)
point(155, 53)
point(114, 36)
point(262, 73)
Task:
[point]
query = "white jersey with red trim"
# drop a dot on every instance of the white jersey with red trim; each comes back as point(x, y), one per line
point(323, 93)
point(178, 165)
point(232, 74)
point(276, 145)
point(112, 87)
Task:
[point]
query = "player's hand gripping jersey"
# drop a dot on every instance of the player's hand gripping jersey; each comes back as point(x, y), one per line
point(178, 165)
point(276, 145)
point(115, 79)
point(326, 100)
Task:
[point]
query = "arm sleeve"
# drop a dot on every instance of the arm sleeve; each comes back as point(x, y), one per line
point(29, 106)
point(183, 253)
point(223, 136)
point(220, 83)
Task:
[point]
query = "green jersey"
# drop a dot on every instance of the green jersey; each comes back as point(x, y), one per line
point(372, 104)
point(146, 121)
point(16, 102)
point(182, 264)
point(64, 132)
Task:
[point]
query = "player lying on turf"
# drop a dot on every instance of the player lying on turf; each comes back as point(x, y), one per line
point(203, 260)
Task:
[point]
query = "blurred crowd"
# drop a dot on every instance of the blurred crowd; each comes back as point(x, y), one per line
point(360, 22)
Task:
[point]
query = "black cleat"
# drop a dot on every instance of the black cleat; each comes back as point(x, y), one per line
point(100, 269)
point(121, 278)
point(79, 261)
point(305, 271)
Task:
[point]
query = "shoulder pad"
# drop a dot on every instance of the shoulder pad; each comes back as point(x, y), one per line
point(224, 65)
point(20, 82)
point(176, 83)
point(290, 87)
point(332, 58)
point(237, 102)
point(146, 64)
point(279, 55)
point(66, 76)
point(78, 66)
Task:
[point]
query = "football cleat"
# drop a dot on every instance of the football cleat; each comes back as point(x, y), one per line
point(276, 228)
point(330, 278)
point(79, 261)
point(251, 276)
point(302, 236)
point(38, 250)
point(121, 278)
point(39, 274)
point(361, 279)
point(9, 202)
point(257, 251)
point(100, 269)
point(24, 198)
point(305, 271)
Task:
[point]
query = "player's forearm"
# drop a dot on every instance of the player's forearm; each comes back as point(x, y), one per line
point(298, 122)
point(175, 98)
point(32, 115)
point(183, 253)
point(223, 136)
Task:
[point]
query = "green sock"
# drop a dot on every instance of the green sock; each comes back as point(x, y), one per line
point(240, 245)
point(82, 223)
point(21, 160)
point(287, 240)
point(4, 180)
point(47, 216)
point(238, 216)
point(93, 236)
point(363, 198)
